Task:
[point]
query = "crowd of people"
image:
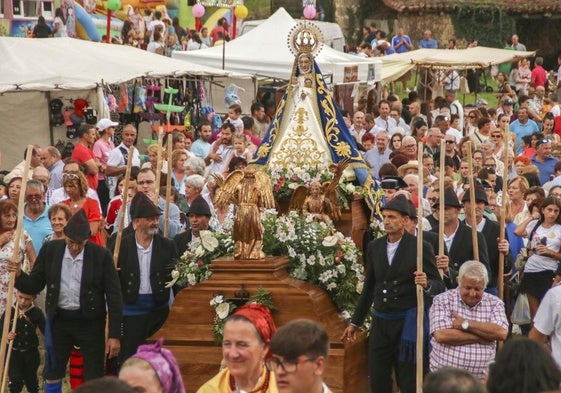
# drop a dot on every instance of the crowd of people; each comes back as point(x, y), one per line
point(72, 217)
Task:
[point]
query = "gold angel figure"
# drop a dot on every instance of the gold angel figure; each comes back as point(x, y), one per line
point(250, 191)
point(320, 200)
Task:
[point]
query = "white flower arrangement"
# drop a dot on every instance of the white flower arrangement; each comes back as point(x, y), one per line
point(317, 253)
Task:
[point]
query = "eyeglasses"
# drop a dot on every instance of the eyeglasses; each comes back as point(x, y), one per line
point(496, 136)
point(70, 176)
point(34, 196)
point(273, 364)
point(450, 142)
point(490, 165)
point(148, 182)
point(409, 146)
point(471, 117)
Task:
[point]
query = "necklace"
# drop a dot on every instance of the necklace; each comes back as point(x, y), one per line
point(260, 388)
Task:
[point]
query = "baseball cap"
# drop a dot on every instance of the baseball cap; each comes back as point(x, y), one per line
point(104, 124)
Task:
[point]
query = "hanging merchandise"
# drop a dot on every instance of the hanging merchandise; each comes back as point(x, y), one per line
point(56, 118)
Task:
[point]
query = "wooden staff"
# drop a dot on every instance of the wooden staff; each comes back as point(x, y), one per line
point(168, 189)
point(9, 354)
point(502, 219)
point(15, 255)
point(159, 163)
point(420, 299)
point(472, 205)
point(441, 206)
point(123, 209)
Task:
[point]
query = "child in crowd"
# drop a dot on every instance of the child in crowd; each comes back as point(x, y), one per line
point(24, 360)
point(234, 113)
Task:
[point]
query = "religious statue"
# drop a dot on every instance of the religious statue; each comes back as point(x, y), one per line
point(250, 191)
point(321, 200)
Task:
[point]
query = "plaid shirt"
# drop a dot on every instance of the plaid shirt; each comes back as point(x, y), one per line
point(471, 357)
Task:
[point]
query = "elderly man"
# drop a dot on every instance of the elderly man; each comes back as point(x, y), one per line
point(35, 214)
point(144, 265)
point(117, 160)
point(543, 160)
point(299, 357)
point(82, 289)
point(390, 283)
point(432, 144)
point(52, 160)
point(449, 150)
point(380, 155)
point(466, 323)
point(357, 129)
point(42, 175)
point(146, 183)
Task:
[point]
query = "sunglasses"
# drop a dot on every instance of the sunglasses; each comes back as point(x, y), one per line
point(450, 142)
point(496, 136)
point(70, 176)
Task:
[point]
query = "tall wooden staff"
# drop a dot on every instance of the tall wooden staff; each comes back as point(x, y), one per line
point(123, 210)
point(168, 188)
point(502, 219)
point(441, 206)
point(420, 299)
point(472, 205)
point(159, 164)
point(15, 255)
point(9, 354)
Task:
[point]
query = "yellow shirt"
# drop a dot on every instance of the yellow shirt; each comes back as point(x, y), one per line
point(220, 383)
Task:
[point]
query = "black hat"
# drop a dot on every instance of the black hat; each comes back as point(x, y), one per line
point(450, 198)
point(199, 206)
point(78, 227)
point(142, 206)
point(399, 204)
point(480, 194)
point(392, 183)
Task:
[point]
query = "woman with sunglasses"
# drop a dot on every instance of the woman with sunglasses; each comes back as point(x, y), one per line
point(472, 123)
point(245, 349)
point(8, 221)
point(76, 186)
point(547, 129)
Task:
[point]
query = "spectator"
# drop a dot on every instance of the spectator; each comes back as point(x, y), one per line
point(427, 42)
point(59, 24)
point(452, 380)
point(41, 29)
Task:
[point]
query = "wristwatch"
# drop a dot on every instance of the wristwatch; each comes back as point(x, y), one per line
point(465, 325)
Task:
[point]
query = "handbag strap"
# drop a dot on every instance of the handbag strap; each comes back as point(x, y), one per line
point(531, 233)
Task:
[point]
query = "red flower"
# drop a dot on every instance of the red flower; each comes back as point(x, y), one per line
point(200, 262)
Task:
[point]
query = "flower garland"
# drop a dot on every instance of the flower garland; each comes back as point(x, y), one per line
point(224, 307)
point(286, 179)
point(317, 253)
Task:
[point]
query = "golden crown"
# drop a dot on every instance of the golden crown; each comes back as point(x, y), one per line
point(305, 37)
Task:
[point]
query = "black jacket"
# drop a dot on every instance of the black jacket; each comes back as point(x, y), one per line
point(100, 288)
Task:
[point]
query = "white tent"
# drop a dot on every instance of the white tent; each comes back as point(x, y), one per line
point(264, 52)
point(33, 71)
point(70, 64)
point(393, 66)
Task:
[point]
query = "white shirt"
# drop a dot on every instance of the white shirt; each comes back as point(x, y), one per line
point(70, 281)
point(450, 239)
point(457, 109)
point(547, 320)
point(391, 250)
point(144, 258)
point(384, 125)
point(116, 159)
point(225, 152)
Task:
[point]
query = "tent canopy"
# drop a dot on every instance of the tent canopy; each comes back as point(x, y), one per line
point(264, 51)
point(394, 66)
point(71, 64)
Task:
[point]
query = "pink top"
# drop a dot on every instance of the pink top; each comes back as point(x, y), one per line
point(101, 150)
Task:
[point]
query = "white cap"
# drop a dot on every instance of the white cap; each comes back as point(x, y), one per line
point(104, 124)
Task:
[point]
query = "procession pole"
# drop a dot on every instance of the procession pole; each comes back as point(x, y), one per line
point(168, 188)
point(159, 163)
point(472, 205)
point(11, 284)
point(419, 288)
point(9, 354)
point(123, 209)
point(502, 219)
point(441, 206)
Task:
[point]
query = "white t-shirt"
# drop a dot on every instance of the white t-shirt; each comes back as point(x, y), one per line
point(61, 32)
point(547, 319)
point(551, 238)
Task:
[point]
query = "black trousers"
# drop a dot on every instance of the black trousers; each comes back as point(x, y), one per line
point(23, 370)
point(103, 194)
point(136, 329)
point(383, 351)
point(89, 335)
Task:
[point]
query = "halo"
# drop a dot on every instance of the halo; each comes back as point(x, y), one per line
point(306, 37)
